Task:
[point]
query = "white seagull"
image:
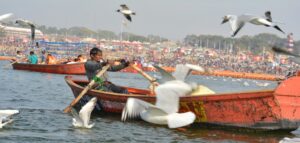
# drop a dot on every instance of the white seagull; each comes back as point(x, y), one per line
point(82, 120)
point(5, 116)
point(164, 112)
point(23, 22)
point(126, 11)
point(237, 22)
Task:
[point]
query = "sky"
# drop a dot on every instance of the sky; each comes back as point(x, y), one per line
point(172, 19)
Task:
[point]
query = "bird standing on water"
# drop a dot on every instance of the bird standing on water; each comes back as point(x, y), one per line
point(237, 22)
point(126, 12)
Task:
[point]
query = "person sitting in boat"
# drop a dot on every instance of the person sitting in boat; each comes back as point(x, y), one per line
point(19, 58)
point(50, 59)
point(43, 57)
point(81, 58)
point(76, 60)
point(93, 66)
point(32, 58)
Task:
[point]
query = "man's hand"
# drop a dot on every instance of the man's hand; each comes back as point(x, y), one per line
point(124, 62)
point(104, 63)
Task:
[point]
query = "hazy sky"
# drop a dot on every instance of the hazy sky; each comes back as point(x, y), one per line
point(173, 19)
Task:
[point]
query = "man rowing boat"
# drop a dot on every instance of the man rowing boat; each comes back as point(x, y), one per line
point(93, 66)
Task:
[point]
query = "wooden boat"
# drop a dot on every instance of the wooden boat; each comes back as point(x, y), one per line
point(277, 109)
point(77, 68)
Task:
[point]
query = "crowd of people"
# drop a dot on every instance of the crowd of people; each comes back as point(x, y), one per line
point(220, 60)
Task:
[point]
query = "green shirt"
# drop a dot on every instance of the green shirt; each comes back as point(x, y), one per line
point(33, 59)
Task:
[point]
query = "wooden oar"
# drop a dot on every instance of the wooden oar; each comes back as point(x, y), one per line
point(88, 87)
point(6, 66)
point(144, 74)
point(151, 79)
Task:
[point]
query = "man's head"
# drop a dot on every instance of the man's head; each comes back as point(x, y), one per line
point(31, 53)
point(96, 54)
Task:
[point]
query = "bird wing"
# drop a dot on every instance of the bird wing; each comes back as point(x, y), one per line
point(232, 22)
point(181, 72)
point(86, 110)
point(4, 121)
point(268, 15)
point(167, 95)
point(156, 111)
point(8, 113)
point(124, 6)
point(5, 16)
point(195, 67)
point(284, 51)
point(76, 116)
point(128, 17)
point(133, 108)
point(177, 120)
point(239, 26)
point(277, 27)
point(23, 22)
point(165, 76)
point(5, 116)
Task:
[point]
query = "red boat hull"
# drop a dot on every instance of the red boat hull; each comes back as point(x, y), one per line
point(56, 68)
point(266, 110)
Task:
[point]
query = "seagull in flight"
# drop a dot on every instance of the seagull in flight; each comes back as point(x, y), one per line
point(82, 120)
point(126, 11)
point(165, 110)
point(5, 116)
point(23, 22)
point(237, 22)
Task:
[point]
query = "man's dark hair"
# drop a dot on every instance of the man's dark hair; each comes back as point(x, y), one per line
point(18, 52)
point(31, 52)
point(94, 51)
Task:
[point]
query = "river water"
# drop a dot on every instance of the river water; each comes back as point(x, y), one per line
point(41, 97)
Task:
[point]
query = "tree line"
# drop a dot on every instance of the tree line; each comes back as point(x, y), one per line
point(255, 44)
